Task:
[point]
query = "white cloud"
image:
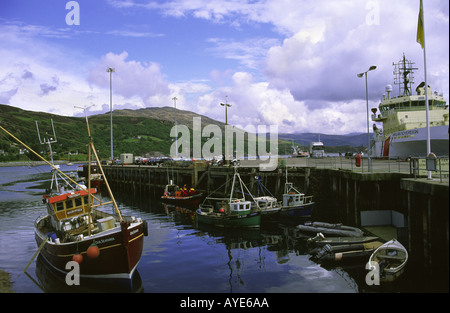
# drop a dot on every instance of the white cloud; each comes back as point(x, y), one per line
point(131, 78)
point(300, 76)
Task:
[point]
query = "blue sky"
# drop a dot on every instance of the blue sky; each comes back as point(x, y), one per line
point(291, 63)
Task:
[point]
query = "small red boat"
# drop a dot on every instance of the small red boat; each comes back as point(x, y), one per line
point(173, 194)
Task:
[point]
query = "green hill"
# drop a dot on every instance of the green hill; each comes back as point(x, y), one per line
point(132, 134)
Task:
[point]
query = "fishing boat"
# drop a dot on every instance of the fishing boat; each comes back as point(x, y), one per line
point(268, 205)
point(105, 245)
point(294, 202)
point(298, 152)
point(404, 130)
point(390, 259)
point(233, 211)
point(337, 230)
point(173, 194)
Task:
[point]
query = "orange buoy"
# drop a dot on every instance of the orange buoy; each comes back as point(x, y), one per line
point(93, 251)
point(77, 258)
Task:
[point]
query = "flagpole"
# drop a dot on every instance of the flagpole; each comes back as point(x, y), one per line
point(422, 22)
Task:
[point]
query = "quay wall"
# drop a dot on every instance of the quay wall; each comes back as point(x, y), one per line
point(418, 207)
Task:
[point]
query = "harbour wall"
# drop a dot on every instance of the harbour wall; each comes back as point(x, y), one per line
point(417, 208)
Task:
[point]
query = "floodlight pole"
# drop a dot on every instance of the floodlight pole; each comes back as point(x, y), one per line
point(373, 67)
point(110, 70)
point(176, 133)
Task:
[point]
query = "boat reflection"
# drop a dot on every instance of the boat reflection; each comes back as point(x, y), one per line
point(51, 281)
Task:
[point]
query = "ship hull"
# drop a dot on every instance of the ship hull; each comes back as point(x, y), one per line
point(412, 143)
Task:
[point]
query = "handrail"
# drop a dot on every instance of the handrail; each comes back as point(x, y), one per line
point(433, 164)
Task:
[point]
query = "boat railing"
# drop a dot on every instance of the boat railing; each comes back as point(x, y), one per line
point(415, 166)
point(438, 166)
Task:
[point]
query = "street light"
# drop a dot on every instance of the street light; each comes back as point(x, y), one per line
point(176, 133)
point(110, 70)
point(226, 105)
point(367, 104)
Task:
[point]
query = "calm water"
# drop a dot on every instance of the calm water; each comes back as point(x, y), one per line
point(177, 255)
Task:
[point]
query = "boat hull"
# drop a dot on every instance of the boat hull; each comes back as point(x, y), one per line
point(249, 220)
point(303, 210)
point(412, 143)
point(189, 201)
point(120, 251)
point(390, 259)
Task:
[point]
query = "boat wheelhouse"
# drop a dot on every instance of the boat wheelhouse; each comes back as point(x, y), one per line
point(295, 203)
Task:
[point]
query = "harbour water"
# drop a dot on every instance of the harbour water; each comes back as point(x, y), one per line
point(178, 256)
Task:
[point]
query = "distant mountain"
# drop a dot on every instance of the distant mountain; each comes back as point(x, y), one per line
point(168, 114)
point(352, 140)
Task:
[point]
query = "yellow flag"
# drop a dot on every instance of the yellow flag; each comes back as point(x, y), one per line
point(420, 34)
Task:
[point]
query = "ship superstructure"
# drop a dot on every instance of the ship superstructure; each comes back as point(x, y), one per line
point(404, 131)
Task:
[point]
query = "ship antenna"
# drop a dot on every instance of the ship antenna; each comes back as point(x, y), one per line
point(404, 76)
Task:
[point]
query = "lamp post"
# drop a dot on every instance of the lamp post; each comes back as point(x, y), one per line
point(110, 70)
point(367, 105)
point(226, 105)
point(176, 133)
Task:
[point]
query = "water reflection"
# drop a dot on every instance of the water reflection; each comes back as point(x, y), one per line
point(49, 280)
point(272, 258)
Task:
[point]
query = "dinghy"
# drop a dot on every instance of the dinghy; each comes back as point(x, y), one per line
point(390, 259)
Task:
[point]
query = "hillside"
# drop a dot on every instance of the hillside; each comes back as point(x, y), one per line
point(167, 114)
point(140, 132)
point(352, 140)
point(132, 134)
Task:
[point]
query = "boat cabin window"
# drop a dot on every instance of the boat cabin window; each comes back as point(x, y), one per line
point(69, 204)
point(59, 206)
point(78, 201)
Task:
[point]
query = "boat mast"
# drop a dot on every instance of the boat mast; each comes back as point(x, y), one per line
point(92, 148)
point(49, 141)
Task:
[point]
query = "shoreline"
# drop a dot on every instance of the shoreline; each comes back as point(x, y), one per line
point(5, 282)
point(32, 163)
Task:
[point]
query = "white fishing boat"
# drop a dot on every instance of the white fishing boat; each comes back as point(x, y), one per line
point(295, 203)
point(267, 205)
point(390, 259)
point(404, 130)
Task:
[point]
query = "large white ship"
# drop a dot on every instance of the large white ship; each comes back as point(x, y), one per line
point(404, 132)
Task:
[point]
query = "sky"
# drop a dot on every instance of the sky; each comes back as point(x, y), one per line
point(290, 63)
